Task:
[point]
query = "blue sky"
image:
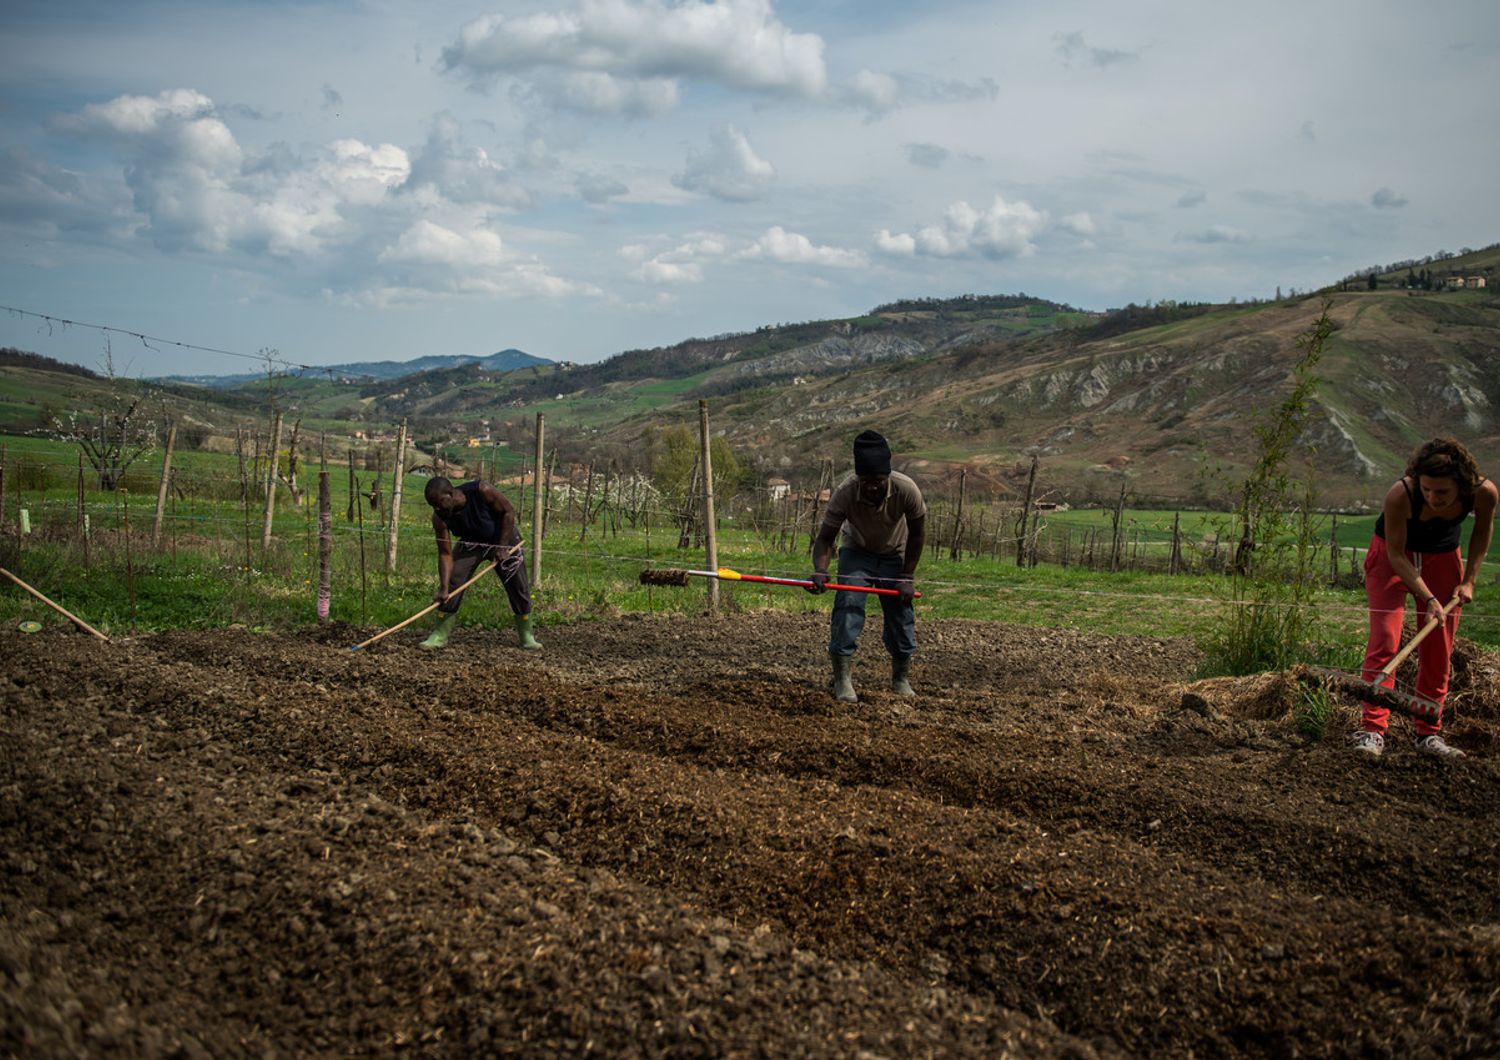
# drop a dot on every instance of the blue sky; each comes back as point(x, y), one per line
point(347, 180)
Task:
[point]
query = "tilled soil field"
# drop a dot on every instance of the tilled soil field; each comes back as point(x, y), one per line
point(661, 836)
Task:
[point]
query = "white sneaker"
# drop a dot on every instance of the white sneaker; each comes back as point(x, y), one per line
point(1437, 747)
point(1371, 743)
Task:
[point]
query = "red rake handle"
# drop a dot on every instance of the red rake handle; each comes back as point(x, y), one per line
point(729, 575)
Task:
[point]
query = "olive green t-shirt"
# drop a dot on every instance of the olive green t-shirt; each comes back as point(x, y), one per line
point(879, 529)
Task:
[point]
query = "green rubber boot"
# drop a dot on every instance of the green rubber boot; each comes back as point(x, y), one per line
point(842, 685)
point(900, 669)
point(438, 638)
point(523, 631)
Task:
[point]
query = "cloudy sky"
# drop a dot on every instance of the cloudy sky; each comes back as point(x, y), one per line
point(367, 179)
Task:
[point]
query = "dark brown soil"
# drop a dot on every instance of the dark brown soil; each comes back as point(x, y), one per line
point(660, 836)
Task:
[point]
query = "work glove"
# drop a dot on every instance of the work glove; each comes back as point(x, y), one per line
point(818, 583)
point(906, 587)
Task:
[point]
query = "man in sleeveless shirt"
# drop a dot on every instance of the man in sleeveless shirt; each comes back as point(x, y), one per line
point(883, 519)
point(474, 522)
point(1415, 548)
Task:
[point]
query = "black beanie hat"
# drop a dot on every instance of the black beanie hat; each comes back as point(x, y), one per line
point(872, 455)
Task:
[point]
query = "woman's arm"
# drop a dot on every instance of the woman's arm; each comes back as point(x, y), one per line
point(1479, 539)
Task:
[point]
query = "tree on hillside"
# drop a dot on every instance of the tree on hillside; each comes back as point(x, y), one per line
point(674, 462)
point(1374, 281)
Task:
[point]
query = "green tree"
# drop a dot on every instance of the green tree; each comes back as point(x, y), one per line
point(674, 455)
point(1274, 574)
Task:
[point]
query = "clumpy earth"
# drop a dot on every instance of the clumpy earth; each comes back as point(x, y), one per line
point(660, 836)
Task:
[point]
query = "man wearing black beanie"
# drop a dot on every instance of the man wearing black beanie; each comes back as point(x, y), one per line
point(883, 519)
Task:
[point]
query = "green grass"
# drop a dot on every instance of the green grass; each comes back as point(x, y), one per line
point(198, 577)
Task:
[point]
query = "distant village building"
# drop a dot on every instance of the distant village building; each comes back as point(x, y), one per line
point(778, 488)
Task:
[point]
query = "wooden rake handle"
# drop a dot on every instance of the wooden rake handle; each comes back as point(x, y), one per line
point(70, 616)
point(439, 603)
point(1432, 624)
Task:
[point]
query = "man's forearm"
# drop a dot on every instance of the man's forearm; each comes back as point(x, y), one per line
point(914, 545)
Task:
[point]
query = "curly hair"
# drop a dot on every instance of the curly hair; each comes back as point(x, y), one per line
point(1446, 458)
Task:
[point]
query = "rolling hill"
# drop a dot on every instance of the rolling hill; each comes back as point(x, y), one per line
point(1154, 396)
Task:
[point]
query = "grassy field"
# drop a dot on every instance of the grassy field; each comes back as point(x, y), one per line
point(209, 569)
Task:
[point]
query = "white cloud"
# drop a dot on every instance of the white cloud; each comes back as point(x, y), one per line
point(1080, 224)
point(597, 92)
point(426, 243)
point(875, 92)
point(793, 248)
point(729, 169)
point(896, 244)
point(198, 189)
point(683, 263)
point(1004, 230)
point(461, 173)
point(737, 43)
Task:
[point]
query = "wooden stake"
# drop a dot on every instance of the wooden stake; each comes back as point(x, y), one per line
point(398, 478)
point(161, 490)
point(711, 537)
point(538, 506)
point(265, 526)
point(325, 546)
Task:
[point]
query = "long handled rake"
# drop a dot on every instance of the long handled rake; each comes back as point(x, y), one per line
point(438, 603)
point(680, 577)
point(80, 623)
point(1374, 690)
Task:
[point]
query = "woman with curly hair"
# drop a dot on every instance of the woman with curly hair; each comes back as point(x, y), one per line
point(1415, 549)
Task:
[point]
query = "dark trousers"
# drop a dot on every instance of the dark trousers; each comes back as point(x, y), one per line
point(512, 573)
point(857, 567)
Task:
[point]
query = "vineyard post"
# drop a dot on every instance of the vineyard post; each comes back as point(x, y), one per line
point(129, 560)
point(1026, 514)
point(398, 479)
point(958, 514)
point(711, 533)
point(364, 615)
point(325, 546)
point(265, 526)
point(161, 489)
point(538, 508)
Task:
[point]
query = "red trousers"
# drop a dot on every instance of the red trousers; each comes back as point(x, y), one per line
point(1441, 571)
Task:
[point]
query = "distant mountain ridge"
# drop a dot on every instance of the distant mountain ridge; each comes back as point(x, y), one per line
point(503, 361)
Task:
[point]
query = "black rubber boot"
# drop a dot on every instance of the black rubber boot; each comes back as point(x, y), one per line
point(842, 685)
point(900, 668)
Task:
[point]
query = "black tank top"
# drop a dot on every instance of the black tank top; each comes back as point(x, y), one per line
point(1429, 535)
point(475, 523)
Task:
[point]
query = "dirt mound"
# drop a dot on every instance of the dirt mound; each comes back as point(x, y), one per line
point(660, 836)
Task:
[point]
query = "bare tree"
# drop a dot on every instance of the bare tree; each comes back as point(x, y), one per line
point(117, 431)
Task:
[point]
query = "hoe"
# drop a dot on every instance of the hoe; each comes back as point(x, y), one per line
point(680, 577)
